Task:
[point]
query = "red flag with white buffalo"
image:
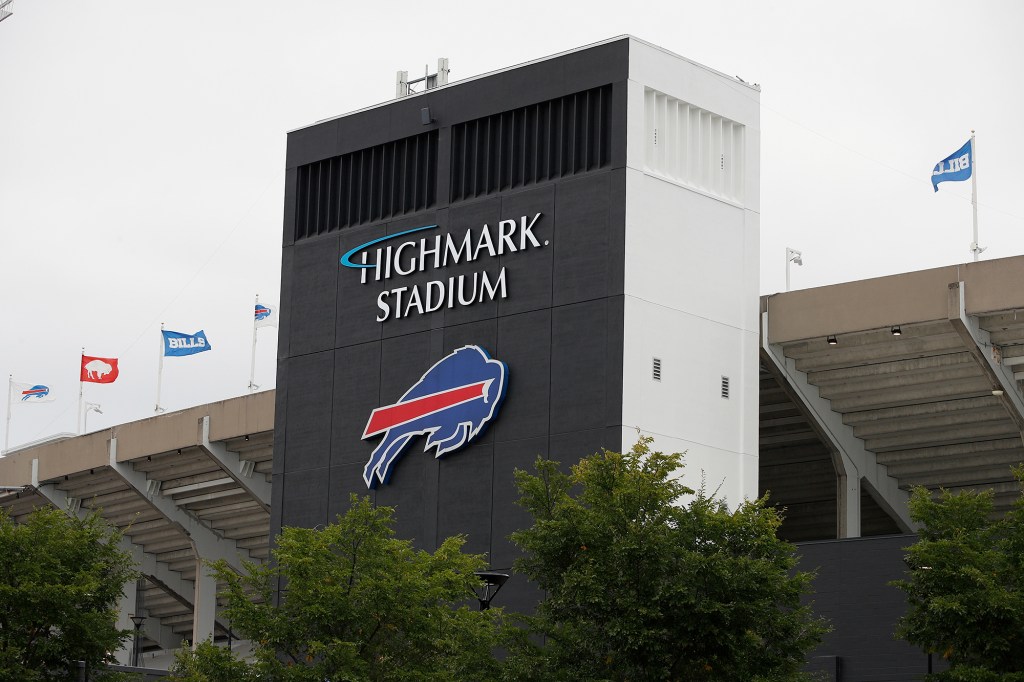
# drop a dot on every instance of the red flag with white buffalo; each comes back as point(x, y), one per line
point(99, 370)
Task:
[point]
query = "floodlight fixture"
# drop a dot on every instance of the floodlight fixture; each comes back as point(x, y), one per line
point(490, 579)
point(792, 256)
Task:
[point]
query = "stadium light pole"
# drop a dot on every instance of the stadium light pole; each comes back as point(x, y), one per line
point(138, 620)
point(89, 407)
point(792, 256)
point(490, 579)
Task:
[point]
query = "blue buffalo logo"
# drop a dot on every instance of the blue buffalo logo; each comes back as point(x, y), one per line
point(37, 392)
point(452, 404)
point(262, 312)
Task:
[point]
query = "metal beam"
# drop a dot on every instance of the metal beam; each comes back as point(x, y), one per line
point(206, 542)
point(156, 571)
point(855, 463)
point(987, 355)
point(241, 471)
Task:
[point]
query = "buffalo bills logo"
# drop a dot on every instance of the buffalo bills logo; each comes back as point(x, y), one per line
point(262, 312)
point(452, 404)
point(37, 392)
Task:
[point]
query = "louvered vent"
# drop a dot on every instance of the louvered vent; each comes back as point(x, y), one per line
point(656, 369)
point(545, 141)
point(725, 387)
point(367, 185)
point(694, 147)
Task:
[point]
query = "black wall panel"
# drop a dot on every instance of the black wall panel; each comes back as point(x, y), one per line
point(356, 393)
point(582, 253)
point(852, 590)
point(464, 496)
point(525, 343)
point(313, 284)
point(559, 330)
point(307, 410)
point(305, 498)
point(579, 346)
point(533, 277)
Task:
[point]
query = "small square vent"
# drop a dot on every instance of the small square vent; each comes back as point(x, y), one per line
point(725, 387)
point(656, 369)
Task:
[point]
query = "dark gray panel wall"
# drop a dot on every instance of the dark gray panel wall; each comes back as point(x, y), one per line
point(559, 330)
point(852, 590)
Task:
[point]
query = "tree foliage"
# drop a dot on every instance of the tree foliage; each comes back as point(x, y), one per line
point(210, 663)
point(61, 579)
point(965, 590)
point(357, 604)
point(640, 586)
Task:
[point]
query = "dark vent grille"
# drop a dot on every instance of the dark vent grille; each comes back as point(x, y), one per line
point(540, 142)
point(370, 184)
point(656, 369)
point(725, 387)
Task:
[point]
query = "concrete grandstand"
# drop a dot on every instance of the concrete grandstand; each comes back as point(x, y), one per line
point(867, 389)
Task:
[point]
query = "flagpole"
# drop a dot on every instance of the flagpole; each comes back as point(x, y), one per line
point(81, 390)
point(974, 196)
point(7, 431)
point(160, 370)
point(252, 363)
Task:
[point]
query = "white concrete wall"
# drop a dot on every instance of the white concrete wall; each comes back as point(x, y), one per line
point(691, 289)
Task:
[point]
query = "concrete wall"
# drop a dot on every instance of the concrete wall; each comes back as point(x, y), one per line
point(691, 270)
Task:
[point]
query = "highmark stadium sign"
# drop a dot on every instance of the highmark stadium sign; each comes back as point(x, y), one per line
point(432, 252)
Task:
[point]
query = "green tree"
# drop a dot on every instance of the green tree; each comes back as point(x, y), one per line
point(209, 663)
point(358, 604)
point(965, 589)
point(640, 586)
point(61, 579)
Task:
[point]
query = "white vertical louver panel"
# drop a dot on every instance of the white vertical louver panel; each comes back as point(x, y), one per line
point(692, 146)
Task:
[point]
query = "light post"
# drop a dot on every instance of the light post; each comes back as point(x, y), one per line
point(89, 407)
point(138, 620)
point(490, 579)
point(792, 256)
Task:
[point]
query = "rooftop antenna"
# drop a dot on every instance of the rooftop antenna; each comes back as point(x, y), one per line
point(405, 87)
point(6, 9)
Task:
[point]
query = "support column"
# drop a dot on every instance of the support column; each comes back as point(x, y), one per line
point(847, 504)
point(125, 607)
point(204, 610)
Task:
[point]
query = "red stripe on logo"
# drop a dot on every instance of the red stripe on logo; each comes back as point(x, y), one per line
point(384, 418)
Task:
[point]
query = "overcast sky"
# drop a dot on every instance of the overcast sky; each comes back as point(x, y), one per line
point(142, 152)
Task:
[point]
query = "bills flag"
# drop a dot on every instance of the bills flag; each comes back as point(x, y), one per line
point(177, 344)
point(451, 404)
point(31, 393)
point(266, 315)
point(98, 370)
point(957, 166)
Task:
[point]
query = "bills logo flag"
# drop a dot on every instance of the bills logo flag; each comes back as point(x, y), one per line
point(32, 393)
point(451, 404)
point(266, 315)
point(98, 370)
point(177, 344)
point(957, 166)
